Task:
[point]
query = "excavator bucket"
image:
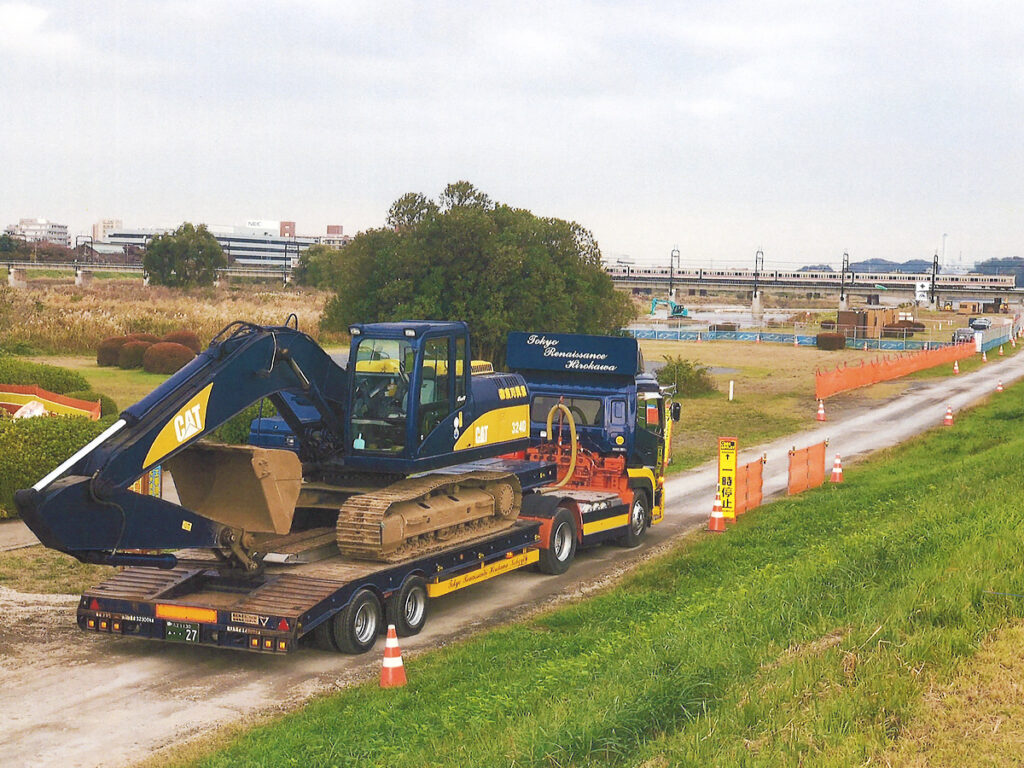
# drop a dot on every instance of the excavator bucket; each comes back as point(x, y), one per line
point(238, 485)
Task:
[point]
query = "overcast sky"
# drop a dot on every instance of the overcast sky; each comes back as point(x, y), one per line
point(803, 129)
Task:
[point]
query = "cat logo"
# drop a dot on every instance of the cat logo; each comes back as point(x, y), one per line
point(186, 424)
point(481, 434)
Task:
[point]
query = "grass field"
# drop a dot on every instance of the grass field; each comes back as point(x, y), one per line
point(774, 393)
point(810, 634)
point(39, 570)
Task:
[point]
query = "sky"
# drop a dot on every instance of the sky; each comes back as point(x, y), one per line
point(804, 129)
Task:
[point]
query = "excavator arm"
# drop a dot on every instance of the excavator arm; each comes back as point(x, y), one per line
point(84, 507)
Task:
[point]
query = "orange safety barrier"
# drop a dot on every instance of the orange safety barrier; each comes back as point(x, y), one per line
point(806, 468)
point(13, 396)
point(827, 383)
point(749, 482)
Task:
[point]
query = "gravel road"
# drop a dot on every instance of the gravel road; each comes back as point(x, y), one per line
point(72, 699)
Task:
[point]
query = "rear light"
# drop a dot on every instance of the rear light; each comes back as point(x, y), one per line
point(254, 642)
point(117, 626)
point(103, 625)
point(282, 645)
point(94, 605)
point(282, 625)
point(268, 643)
point(91, 623)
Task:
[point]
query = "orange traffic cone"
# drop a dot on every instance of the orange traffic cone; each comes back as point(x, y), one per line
point(698, 337)
point(865, 346)
point(757, 339)
point(717, 523)
point(947, 420)
point(821, 411)
point(1013, 342)
point(796, 342)
point(956, 367)
point(392, 672)
point(984, 356)
point(837, 470)
point(1000, 350)
point(999, 386)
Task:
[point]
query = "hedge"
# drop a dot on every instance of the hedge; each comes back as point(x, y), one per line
point(59, 380)
point(166, 357)
point(30, 448)
point(185, 338)
point(130, 355)
point(106, 352)
point(107, 405)
point(152, 338)
point(831, 341)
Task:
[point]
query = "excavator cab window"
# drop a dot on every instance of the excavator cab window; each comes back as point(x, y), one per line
point(380, 394)
point(435, 384)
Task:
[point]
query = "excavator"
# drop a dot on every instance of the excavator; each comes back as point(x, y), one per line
point(388, 461)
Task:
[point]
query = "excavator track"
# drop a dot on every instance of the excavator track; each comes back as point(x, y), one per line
point(419, 515)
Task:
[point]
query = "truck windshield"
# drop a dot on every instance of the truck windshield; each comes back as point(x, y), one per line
point(587, 411)
point(380, 395)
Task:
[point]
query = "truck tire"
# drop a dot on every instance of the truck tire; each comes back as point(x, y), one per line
point(356, 626)
point(323, 637)
point(407, 608)
point(559, 555)
point(639, 514)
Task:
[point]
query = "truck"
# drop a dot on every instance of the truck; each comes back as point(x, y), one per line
point(412, 472)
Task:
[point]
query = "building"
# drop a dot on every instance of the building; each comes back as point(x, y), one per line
point(104, 227)
point(40, 231)
point(256, 243)
point(335, 237)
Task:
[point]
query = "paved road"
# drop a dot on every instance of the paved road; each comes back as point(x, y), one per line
point(73, 699)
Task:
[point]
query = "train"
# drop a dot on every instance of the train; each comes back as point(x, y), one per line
point(647, 273)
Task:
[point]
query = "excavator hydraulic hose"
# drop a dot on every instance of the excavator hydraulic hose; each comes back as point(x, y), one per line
point(572, 439)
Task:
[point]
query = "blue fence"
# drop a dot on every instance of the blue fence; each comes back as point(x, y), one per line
point(809, 340)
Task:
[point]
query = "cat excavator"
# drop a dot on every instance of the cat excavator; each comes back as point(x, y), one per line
point(388, 461)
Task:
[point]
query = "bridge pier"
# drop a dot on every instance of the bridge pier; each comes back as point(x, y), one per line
point(83, 278)
point(757, 308)
point(844, 303)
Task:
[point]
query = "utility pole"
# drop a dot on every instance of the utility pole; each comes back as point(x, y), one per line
point(758, 266)
point(673, 259)
point(935, 271)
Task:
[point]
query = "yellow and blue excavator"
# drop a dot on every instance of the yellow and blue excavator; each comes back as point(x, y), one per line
point(408, 449)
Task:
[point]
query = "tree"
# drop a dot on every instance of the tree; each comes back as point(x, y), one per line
point(318, 266)
point(496, 267)
point(188, 256)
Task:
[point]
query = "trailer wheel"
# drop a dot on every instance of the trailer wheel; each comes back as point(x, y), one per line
point(639, 514)
point(323, 637)
point(562, 547)
point(407, 608)
point(356, 626)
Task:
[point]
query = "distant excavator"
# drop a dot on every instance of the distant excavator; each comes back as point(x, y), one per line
point(674, 310)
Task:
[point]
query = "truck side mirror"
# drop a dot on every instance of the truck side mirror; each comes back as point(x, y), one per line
point(677, 410)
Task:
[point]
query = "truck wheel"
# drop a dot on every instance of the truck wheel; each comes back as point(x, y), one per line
point(323, 637)
point(562, 547)
point(407, 608)
point(639, 514)
point(355, 627)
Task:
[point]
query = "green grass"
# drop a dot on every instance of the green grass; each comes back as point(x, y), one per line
point(39, 570)
point(126, 387)
point(807, 635)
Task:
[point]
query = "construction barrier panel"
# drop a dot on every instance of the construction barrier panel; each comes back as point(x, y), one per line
point(845, 377)
point(806, 468)
point(749, 484)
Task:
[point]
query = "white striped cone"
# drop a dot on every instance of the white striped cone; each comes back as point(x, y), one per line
point(392, 672)
point(984, 356)
point(837, 470)
point(999, 386)
point(956, 367)
point(821, 411)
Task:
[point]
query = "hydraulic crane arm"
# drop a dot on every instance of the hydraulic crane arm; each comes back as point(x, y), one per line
point(84, 506)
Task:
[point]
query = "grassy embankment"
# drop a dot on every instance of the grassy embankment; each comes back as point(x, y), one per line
point(809, 634)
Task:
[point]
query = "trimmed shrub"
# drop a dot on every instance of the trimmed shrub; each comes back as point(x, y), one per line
point(689, 378)
point(166, 357)
point(152, 338)
point(830, 341)
point(51, 377)
point(130, 355)
point(185, 338)
point(107, 351)
point(29, 448)
point(235, 431)
point(107, 405)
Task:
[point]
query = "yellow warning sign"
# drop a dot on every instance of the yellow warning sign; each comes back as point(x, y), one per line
point(727, 449)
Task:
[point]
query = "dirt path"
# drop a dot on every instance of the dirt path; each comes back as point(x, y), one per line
point(73, 699)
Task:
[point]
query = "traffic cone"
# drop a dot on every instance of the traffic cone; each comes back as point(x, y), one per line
point(1000, 350)
point(717, 523)
point(821, 411)
point(796, 342)
point(698, 337)
point(947, 420)
point(984, 356)
point(392, 673)
point(1013, 342)
point(865, 346)
point(837, 470)
point(999, 386)
point(757, 339)
point(956, 367)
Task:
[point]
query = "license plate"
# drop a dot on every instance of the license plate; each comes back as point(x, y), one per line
point(182, 632)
